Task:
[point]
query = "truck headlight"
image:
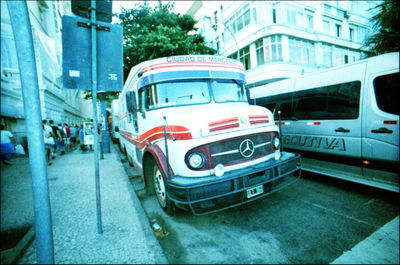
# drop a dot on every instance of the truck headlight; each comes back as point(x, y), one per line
point(277, 143)
point(196, 160)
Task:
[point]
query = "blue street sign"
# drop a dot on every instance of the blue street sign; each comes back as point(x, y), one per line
point(77, 61)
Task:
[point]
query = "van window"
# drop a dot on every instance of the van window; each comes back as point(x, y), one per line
point(386, 96)
point(339, 101)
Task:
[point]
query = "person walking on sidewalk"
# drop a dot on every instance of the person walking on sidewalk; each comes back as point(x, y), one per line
point(8, 144)
point(48, 142)
point(57, 138)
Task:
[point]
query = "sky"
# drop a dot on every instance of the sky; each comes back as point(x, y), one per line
point(180, 6)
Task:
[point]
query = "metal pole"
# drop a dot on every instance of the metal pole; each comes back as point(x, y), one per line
point(19, 16)
point(94, 93)
point(233, 36)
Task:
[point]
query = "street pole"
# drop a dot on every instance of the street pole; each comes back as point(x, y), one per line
point(233, 36)
point(94, 93)
point(19, 15)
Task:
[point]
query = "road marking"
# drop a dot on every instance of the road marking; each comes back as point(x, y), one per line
point(337, 213)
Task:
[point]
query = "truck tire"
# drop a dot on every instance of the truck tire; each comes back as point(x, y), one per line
point(160, 190)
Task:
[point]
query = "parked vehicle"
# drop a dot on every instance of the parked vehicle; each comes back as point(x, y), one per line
point(186, 126)
point(88, 135)
point(114, 123)
point(344, 121)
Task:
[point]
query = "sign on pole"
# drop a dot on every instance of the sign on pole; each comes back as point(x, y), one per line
point(77, 60)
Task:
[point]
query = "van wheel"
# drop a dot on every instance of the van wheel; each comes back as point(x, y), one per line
point(160, 189)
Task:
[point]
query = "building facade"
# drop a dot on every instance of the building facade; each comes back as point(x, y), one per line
point(281, 39)
point(58, 104)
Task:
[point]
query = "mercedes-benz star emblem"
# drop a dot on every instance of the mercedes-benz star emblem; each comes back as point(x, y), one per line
point(246, 148)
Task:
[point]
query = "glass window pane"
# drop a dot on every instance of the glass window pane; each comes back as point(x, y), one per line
point(228, 91)
point(177, 93)
point(385, 92)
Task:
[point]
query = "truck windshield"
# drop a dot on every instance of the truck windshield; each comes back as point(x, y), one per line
point(228, 91)
point(190, 92)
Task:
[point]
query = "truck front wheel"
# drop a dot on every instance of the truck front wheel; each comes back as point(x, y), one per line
point(161, 192)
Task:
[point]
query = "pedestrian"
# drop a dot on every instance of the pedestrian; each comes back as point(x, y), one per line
point(8, 144)
point(67, 135)
point(57, 138)
point(61, 143)
point(81, 138)
point(72, 136)
point(48, 142)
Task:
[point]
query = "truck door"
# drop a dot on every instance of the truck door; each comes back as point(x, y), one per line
point(381, 129)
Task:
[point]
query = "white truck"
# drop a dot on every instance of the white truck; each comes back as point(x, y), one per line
point(186, 126)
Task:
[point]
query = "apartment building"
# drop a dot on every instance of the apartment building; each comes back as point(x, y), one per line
point(281, 39)
point(58, 104)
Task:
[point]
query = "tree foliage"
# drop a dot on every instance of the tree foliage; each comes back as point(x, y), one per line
point(151, 33)
point(386, 23)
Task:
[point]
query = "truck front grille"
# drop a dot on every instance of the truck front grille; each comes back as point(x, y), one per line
point(240, 149)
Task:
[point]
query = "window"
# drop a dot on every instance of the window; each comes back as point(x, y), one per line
point(310, 22)
point(385, 92)
point(273, 48)
point(274, 15)
point(339, 101)
point(326, 26)
point(351, 34)
point(260, 52)
point(228, 91)
point(294, 15)
point(338, 30)
point(245, 57)
point(362, 34)
point(175, 93)
point(301, 52)
point(240, 20)
point(327, 55)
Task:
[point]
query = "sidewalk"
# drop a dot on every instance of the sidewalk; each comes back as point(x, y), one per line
point(127, 235)
point(382, 247)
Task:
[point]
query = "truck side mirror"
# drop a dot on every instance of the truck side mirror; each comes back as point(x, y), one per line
point(131, 102)
point(116, 129)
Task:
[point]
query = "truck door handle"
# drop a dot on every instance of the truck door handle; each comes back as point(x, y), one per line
point(341, 129)
point(382, 130)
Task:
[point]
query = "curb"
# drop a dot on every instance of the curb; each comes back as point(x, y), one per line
point(18, 251)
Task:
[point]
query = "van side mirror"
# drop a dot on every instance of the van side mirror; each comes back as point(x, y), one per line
point(116, 129)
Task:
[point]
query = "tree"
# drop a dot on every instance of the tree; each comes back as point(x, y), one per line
point(386, 23)
point(151, 33)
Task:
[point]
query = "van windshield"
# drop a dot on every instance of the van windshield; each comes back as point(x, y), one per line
point(190, 92)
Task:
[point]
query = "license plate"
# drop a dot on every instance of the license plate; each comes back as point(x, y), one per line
point(255, 191)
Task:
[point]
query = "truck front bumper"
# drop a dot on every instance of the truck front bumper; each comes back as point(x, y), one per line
point(211, 194)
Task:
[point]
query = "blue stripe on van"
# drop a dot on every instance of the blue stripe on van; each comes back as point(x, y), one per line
point(182, 75)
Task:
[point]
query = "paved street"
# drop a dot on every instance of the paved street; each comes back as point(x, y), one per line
point(315, 220)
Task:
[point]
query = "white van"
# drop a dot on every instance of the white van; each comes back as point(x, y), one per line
point(186, 126)
point(344, 121)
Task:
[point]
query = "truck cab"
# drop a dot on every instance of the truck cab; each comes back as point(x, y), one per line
point(186, 126)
